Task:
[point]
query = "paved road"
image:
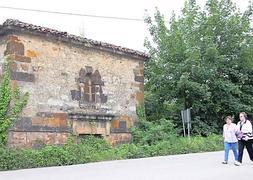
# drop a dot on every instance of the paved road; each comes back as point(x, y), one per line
point(200, 166)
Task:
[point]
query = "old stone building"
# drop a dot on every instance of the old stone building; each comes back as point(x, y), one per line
point(76, 86)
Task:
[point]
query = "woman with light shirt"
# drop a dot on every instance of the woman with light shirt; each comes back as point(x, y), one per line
point(230, 140)
point(245, 137)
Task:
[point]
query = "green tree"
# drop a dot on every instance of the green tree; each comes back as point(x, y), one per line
point(202, 59)
point(11, 104)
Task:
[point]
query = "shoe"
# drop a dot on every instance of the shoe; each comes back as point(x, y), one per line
point(237, 163)
point(224, 162)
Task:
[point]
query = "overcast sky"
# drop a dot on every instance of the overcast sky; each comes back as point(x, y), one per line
point(129, 34)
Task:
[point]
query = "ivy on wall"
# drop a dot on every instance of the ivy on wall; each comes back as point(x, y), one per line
point(11, 103)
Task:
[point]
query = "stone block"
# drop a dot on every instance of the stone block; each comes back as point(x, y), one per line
point(108, 128)
point(19, 136)
point(140, 98)
point(45, 114)
point(24, 67)
point(139, 79)
point(14, 47)
point(22, 76)
point(61, 118)
point(76, 95)
point(115, 123)
point(14, 84)
point(136, 72)
point(36, 139)
point(22, 123)
point(87, 127)
point(55, 120)
point(141, 87)
point(141, 64)
point(138, 85)
point(142, 71)
point(119, 138)
point(13, 38)
point(103, 98)
point(17, 139)
point(20, 58)
point(39, 121)
point(61, 138)
point(13, 66)
point(100, 130)
point(51, 138)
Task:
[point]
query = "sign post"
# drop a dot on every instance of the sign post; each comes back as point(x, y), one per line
point(183, 120)
point(186, 118)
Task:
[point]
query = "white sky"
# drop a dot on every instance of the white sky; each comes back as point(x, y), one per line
point(129, 34)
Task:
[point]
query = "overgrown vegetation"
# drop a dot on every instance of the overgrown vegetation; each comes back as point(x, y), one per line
point(150, 139)
point(94, 149)
point(152, 132)
point(203, 60)
point(11, 104)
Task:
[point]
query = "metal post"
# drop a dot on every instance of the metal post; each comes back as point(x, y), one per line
point(188, 127)
point(188, 121)
point(183, 121)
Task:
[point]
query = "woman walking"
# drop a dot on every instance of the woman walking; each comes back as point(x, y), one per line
point(230, 140)
point(245, 137)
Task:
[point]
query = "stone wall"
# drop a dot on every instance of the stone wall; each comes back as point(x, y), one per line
point(36, 139)
point(56, 75)
point(2, 49)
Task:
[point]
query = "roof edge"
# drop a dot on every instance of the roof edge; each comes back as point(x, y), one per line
point(16, 25)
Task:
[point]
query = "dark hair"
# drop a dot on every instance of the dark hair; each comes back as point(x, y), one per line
point(229, 117)
point(244, 114)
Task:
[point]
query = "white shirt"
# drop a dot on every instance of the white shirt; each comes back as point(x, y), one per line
point(246, 129)
point(229, 133)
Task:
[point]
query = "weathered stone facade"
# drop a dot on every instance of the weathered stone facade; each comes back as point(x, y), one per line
point(74, 87)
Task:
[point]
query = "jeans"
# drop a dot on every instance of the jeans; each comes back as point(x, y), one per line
point(227, 147)
point(241, 145)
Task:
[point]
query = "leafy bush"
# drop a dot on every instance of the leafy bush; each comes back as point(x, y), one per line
point(94, 149)
point(151, 132)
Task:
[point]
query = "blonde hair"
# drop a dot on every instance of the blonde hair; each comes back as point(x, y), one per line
point(229, 117)
point(244, 114)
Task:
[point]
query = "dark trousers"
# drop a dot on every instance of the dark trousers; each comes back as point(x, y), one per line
point(241, 145)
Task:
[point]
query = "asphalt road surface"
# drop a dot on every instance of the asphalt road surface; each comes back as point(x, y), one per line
point(199, 166)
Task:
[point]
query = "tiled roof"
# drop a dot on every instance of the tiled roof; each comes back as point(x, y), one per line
point(13, 24)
